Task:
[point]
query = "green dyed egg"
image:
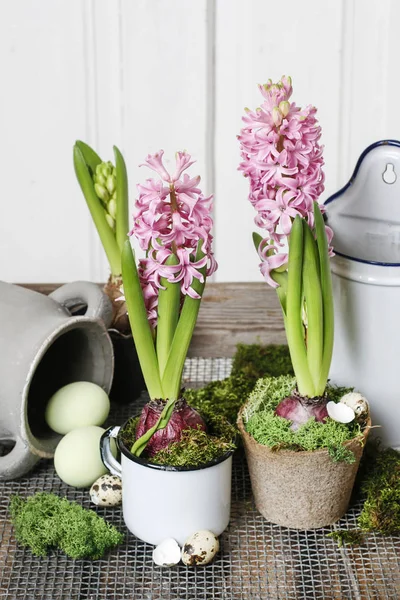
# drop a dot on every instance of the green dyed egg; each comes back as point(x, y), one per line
point(77, 458)
point(75, 405)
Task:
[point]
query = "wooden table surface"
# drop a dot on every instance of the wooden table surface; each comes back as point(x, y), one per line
point(230, 313)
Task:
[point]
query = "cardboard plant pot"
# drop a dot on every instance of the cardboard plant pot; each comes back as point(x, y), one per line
point(161, 501)
point(301, 490)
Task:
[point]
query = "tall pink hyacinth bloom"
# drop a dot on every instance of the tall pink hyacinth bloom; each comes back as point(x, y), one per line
point(172, 216)
point(282, 158)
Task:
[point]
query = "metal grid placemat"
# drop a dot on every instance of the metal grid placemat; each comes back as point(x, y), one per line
point(257, 561)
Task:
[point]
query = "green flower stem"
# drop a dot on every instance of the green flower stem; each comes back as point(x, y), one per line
point(167, 315)
point(141, 330)
point(141, 443)
point(122, 218)
point(294, 324)
point(327, 296)
point(84, 159)
point(313, 300)
point(171, 380)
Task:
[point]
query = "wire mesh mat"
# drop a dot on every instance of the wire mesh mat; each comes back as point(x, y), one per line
point(257, 561)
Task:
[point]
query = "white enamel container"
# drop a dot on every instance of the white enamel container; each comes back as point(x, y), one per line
point(365, 217)
point(161, 502)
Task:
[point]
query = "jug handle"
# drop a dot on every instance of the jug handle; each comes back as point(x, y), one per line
point(17, 462)
point(105, 451)
point(83, 292)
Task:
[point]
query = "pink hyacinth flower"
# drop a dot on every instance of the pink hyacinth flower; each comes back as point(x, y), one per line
point(172, 216)
point(282, 159)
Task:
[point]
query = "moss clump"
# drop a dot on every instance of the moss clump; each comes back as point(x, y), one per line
point(45, 521)
point(276, 433)
point(197, 447)
point(380, 484)
point(257, 361)
point(221, 397)
point(267, 394)
point(250, 362)
point(128, 433)
point(351, 537)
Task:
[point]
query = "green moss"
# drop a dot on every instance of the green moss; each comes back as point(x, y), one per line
point(196, 447)
point(267, 394)
point(257, 361)
point(335, 392)
point(45, 521)
point(380, 483)
point(351, 537)
point(128, 433)
point(275, 432)
point(378, 487)
point(221, 397)
point(250, 362)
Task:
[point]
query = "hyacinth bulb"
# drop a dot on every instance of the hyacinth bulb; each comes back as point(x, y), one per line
point(183, 417)
point(300, 410)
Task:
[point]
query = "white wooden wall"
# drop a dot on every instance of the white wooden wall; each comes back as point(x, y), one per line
point(172, 74)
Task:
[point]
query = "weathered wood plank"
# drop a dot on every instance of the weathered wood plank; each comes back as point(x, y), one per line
point(230, 313)
point(236, 312)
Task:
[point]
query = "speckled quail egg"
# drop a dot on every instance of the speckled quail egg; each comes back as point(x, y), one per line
point(359, 404)
point(167, 554)
point(200, 548)
point(106, 491)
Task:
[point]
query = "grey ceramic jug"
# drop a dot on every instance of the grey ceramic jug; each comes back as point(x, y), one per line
point(43, 347)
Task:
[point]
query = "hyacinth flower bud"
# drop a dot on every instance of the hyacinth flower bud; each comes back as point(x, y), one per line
point(98, 177)
point(102, 172)
point(101, 192)
point(110, 221)
point(268, 85)
point(105, 185)
point(284, 107)
point(112, 207)
point(110, 184)
point(106, 169)
point(276, 116)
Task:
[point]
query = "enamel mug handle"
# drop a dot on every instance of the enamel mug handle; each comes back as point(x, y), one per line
point(83, 292)
point(105, 450)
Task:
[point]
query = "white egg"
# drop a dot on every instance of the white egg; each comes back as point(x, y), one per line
point(106, 491)
point(167, 554)
point(77, 457)
point(76, 405)
point(200, 548)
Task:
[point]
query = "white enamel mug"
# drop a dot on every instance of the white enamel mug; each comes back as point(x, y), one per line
point(161, 502)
